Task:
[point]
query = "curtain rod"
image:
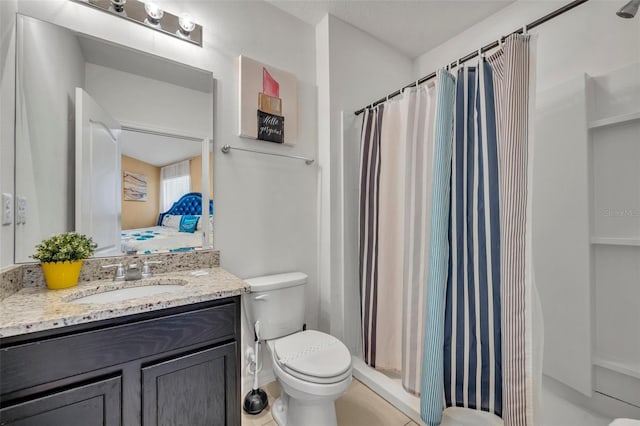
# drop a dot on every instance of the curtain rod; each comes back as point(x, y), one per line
point(160, 133)
point(483, 49)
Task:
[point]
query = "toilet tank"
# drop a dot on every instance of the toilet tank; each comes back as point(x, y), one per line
point(277, 301)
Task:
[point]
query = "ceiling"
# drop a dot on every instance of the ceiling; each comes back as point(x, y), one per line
point(412, 27)
point(158, 150)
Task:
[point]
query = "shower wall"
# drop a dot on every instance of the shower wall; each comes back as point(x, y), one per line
point(562, 255)
point(587, 232)
point(353, 68)
point(614, 136)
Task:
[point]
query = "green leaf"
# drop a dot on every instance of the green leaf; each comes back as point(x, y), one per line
point(69, 246)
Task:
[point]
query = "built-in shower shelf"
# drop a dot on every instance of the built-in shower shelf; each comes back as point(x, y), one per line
point(627, 369)
point(615, 241)
point(617, 119)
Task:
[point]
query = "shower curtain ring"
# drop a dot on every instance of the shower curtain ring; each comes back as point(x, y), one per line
point(524, 29)
point(500, 42)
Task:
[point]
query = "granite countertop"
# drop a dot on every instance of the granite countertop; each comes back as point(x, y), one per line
point(37, 309)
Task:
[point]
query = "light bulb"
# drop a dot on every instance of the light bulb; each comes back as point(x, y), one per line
point(186, 24)
point(154, 12)
point(118, 5)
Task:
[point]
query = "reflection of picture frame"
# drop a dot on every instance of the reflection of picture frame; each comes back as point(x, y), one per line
point(134, 187)
point(268, 103)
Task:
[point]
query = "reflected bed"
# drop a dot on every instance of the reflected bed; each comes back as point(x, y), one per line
point(159, 238)
point(181, 228)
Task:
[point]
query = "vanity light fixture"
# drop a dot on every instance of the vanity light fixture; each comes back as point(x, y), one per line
point(154, 12)
point(151, 15)
point(186, 24)
point(118, 5)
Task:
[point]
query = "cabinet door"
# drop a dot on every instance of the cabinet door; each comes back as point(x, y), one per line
point(93, 404)
point(198, 389)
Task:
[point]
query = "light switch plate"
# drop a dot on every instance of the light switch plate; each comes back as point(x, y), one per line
point(7, 209)
point(21, 213)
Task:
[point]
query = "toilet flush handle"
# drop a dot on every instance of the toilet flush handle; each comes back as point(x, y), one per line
point(262, 297)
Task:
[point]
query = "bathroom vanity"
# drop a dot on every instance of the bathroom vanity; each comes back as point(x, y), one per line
point(168, 359)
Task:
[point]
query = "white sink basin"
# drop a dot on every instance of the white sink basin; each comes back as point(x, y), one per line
point(130, 293)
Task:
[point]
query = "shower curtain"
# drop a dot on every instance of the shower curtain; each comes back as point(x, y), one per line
point(487, 321)
point(395, 175)
point(514, 80)
point(369, 202)
point(445, 238)
point(472, 348)
point(418, 108)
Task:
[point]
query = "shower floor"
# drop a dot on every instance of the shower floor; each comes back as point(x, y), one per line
point(556, 411)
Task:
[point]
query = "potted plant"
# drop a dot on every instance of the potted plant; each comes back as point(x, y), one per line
point(61, 258)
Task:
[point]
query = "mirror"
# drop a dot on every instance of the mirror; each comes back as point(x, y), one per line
point(111, 142)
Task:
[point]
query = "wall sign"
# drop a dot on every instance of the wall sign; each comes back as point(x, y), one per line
point(268, 103)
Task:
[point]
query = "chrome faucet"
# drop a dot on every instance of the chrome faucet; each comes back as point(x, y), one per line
point(119, 275)
point(132, 272)
point(146, 268)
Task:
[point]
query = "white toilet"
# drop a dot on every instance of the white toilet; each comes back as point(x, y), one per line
point(313, 368)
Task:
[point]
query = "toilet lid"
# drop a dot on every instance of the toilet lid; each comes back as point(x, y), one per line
point(313, 353)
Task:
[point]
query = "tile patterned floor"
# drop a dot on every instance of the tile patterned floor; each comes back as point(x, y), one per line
point(359, 407)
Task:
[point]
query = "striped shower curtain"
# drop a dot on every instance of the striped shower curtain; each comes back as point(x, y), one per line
point(432, 372)
point(390, 240)
point(369, 203)
point(418, 109)
point(445, 238)
point(381, 239)
point(472, 344)
point(395, 202)
point(485, 340)
point(513, 75)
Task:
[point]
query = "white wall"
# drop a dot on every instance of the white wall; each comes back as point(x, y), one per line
point(265, 206)
point(50, 68)
point(589, 39)
point(7, 117)
point(146, 102)
point(353, 69)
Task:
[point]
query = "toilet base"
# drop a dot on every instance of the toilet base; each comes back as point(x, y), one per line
point(287, 411)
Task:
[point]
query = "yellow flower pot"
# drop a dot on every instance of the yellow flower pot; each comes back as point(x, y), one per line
point(59, 275)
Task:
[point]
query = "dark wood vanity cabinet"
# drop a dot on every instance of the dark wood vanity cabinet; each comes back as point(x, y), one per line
point(171, 367)
point(91, 404)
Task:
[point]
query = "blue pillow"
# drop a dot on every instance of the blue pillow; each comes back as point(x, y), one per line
point(188, 223)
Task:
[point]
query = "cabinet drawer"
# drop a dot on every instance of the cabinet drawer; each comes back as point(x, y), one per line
point(51, 359)
point(196, 389)
point(93, 404)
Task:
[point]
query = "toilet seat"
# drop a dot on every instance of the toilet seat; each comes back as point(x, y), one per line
point(312, 356)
